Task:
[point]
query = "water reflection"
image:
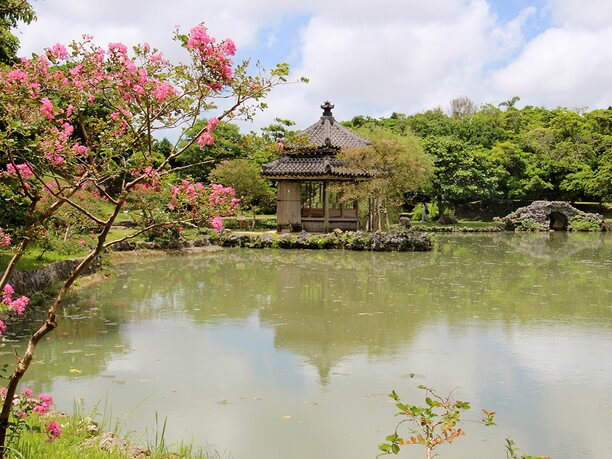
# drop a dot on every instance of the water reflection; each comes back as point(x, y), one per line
point(229, 344)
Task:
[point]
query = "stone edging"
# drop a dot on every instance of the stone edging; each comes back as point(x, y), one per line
point(38, 279)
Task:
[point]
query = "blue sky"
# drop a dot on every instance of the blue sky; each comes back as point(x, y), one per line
point(374, 58)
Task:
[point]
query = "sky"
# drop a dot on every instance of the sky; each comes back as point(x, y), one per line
point(373, 58)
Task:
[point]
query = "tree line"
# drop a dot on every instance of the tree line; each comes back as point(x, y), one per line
point(500, 154)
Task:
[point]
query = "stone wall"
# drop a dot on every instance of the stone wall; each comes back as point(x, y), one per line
point(35, 280)
point(399, 241)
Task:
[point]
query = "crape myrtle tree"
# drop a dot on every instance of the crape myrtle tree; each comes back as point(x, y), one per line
point(78, 119)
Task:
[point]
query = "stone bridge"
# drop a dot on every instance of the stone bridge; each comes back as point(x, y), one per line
point(553, 215)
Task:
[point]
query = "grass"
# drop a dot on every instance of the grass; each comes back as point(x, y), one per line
point(81, 438)
point(35, 258)
point(460, 224)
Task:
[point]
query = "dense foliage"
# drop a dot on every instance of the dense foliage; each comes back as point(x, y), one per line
point(11, 13)
point(495, 155)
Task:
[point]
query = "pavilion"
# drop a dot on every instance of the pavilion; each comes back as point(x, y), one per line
point(305, 200)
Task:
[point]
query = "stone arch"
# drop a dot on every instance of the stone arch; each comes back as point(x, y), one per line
point(557, 221)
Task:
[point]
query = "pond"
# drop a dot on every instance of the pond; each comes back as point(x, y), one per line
point(291, 354)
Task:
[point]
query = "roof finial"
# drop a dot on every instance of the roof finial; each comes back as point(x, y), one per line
point(327, 108)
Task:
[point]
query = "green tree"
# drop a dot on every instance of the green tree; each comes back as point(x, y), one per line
point(199, 161)
point(461, 173)
point(255, 192)
point(11, 13)
point(397, 165)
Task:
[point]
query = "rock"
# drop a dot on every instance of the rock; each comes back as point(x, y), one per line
point(405, 221)
point(552, 215)
point(111, 442)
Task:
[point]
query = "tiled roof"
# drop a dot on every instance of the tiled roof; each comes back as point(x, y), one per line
point(328, 128)
point(305, 166)
point(319, 160)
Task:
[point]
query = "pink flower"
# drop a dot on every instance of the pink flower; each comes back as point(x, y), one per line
point(216, 224)
point(8, 290)
point(44, 404)
point(58, 51)
point(163, 90)
point(228, 47)
point(198, 37)
point(5, 239)
point(117, 47)
point(79, 149)
point(54, 158)
point(2, 330)
point(212, 124)
point(17, 305)
point(46, 108)
point(54, 430)
point(28, 392)
point(17, 75)
point(205, 139)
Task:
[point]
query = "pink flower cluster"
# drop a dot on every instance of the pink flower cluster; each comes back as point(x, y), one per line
point(219, 194)
point(215, 57)
point(163, 90)
point(203, 204)
point(206, 137)
point(44, 404)
point(24, 170)
point(26, 403)
point(17, 305)
point(57, 51)
point(217, 224)
point(5, 239)
point(54, 430)
point(46, 108)
point(186, 191)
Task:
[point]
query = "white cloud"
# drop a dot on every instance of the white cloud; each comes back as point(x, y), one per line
point(414, 56)
point(566, 65)
point(373, 58)
point(579, 13)
point(562, 67)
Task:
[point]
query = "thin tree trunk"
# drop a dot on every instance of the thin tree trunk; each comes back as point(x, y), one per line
point(24, 362)
point(11, 266)
point(48, 326)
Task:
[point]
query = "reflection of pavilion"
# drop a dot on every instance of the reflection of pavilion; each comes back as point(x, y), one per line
point(304, 174)
point(328, 313)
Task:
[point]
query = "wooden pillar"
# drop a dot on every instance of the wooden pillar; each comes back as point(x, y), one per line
point(288, 206)
point(325, 207)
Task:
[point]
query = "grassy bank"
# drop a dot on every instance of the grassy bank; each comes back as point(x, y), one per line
point(82, 437)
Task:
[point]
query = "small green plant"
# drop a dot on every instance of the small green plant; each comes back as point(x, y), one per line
point(512, 451)
point(432, 212)
point(431, 425)
point(579, 224)
point(527, 225)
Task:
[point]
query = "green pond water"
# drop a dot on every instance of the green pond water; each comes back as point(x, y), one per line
point(290, 354)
